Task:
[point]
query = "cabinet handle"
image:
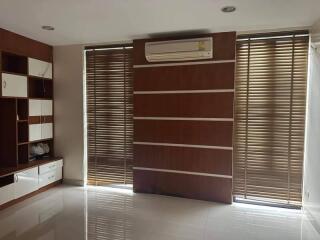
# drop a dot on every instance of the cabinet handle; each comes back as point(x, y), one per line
point(17, 178)
point(4, 83)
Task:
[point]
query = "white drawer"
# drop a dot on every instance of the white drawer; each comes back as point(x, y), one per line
point(6, 193)
point(47, 168)
point(50, 177)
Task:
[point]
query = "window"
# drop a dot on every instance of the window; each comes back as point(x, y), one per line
point(270, 117)
point(109, 79)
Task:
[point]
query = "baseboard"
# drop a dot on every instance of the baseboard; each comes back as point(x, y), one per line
point(73, 182)
point(312, 219)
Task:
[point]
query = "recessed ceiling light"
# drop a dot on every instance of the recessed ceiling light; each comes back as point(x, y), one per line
point(228, 9)
point(49, 28)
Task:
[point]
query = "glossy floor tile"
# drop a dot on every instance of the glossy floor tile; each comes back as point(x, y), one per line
point(102, 213)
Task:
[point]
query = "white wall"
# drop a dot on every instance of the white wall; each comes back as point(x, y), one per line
point(311, 199)
point(68, 95)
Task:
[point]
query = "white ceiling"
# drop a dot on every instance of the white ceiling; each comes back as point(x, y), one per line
point(101, 21)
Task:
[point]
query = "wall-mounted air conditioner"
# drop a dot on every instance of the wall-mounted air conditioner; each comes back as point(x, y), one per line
point(179, 50)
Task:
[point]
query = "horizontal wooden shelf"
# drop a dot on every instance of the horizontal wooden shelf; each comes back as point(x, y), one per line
point(15, 73)
point(42, 140)
point(9, 97)
point(21, 167)
point(40, 98)
point(36, 141)
point(40, 78)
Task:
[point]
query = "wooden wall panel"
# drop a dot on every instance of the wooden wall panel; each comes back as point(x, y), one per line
point(183, 122)
point(20, 45)
point(190, 77)
point(216, 161)
point(183, 185)
point(184, 132)
point(199, 105)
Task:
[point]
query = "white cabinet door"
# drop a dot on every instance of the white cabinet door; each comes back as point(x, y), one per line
point(35, 107)
point(14, 85)
point(26, 182)
point(6, 193)
point(46, 107)
point(46, 130)
point(40, 68)
point(46, 179)
point(50, 177)
point(35, 132)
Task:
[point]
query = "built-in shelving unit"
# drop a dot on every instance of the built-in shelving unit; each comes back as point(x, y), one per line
point(26, 99)
point(26, 118)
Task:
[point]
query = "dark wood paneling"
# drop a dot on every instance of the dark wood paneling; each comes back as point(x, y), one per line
point(184, 132)
point(184, 159)
point(17, 44)
point(223, 46)
point(183, 185)
point(196, 105)
point(190, 77)
point(9, 133)
point(201, 105)
point(34, 120)
point(38, 119)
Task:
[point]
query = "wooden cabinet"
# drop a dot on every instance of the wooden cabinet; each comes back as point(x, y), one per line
point(39, 68)
point(26, 73)
point(14, 85)
point(42, 129)
point(26, 182)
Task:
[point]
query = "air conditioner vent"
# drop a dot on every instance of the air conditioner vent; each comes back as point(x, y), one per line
point(179, 50)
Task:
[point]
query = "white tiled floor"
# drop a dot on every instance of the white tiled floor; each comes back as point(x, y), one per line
point(100, 213)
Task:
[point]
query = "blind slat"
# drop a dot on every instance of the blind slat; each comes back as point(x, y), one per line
point(269, 118)
point(109, 79)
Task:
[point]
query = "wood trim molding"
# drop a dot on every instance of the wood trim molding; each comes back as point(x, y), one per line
point(185, 91)
point(183, 145)
point(182, 172)
point(185, 119)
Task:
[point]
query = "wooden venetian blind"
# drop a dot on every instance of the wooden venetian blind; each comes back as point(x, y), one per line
point(270, 117)
point(109, 80)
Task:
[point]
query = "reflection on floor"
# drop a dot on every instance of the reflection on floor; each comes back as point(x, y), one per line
point(101, 213)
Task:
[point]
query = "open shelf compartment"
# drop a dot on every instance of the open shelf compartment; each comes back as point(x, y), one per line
point(15, 64)
point(40, 88)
